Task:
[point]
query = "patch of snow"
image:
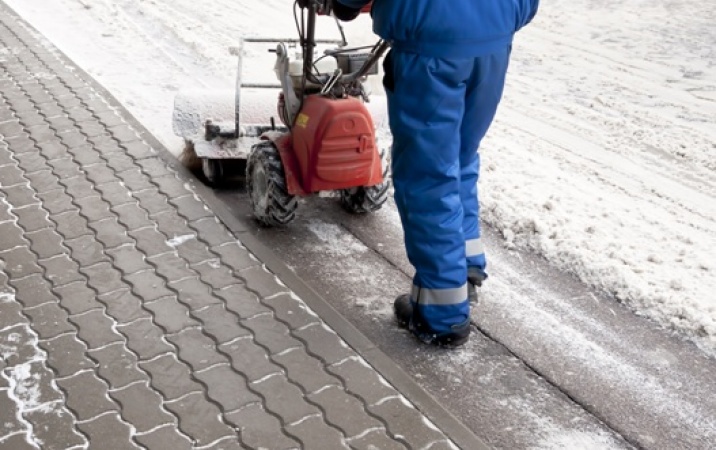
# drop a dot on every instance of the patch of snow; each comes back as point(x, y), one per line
point(176, 241)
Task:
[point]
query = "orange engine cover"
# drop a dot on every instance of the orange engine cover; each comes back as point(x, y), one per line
point(334, 145)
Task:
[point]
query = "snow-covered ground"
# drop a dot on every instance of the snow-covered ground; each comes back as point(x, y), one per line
point(602, 157)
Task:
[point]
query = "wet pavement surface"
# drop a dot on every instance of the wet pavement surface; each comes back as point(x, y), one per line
point(131, 317)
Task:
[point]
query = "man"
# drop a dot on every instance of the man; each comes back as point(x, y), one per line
point(444, 78)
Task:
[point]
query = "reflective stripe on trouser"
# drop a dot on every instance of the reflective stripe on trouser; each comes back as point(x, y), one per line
point(439, 111)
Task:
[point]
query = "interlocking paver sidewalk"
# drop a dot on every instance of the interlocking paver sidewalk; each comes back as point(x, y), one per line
point(131, 317)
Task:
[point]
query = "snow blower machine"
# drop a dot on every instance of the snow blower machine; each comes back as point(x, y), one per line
point(326, 138)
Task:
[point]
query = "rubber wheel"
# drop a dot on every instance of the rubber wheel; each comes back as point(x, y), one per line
point(266, 183)
point(367, 199)
point(213, 170)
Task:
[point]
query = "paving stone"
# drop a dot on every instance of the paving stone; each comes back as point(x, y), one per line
point(258, 428)
point(21, 144)
point(20, 195)
point(167, 437)
point(117, 365)
point(108, 432)
point(64, 167)
point(29, 162)
point(9, 422)
point(227, 387)
point(20, 262)
point(111, 234)
point(324, 342)
point(378, 439)
point(170, 376)
point(199, 419)
point(314, 433)
point(42, 134)
point(284, 398)
point(71, 224)
point(109, 118)
point(212, 232)
point(120, 162)
point(139, 150)
point(11, 236)
point(86, 395)
point(66, 354)
point(115, 193)
point(33, 291)
point(61, 270)
point(86, 250)
point(56, 201)
point(85, 155)
point(362, 380)
point(124, 133)
point(91, 128)
point(145, 338)
point(401, 420)
point(153, 167)
point(61, 123)
point(171, 315)
point(150, 241)
point(215, 275)
point(54, 427)
point(194, 293)
point(11, 314)
point(52, 149)
point(11, 175)
point(11, 129)
point(271, 334)
point(142, 407)
point(262, 282)
point(46, 243)
point(18, 345)
point(305, 370)
point(195, 252)
point(196, 349)
point(49, 320)
point(72, 138)
point(128, 259)
point(250, 359)
point(94, 208)
point(100, 174)
point(189, 207)
point(229, 443)
point(242, 302)
point(171, 267)
point(132, 216)
point(105, 144)
point(135, 180)
point(77, 297)
point(95, 328)
point(17, 442)
point(31, 118)
point(172, 224)
point(221, 324)
point(291, 311)
point(123, 306)
point(33, 384)
point(79, 187)
point(104, 278)
point(32, 217)
point(148, 285)
point(152, 201)
point(344, 411)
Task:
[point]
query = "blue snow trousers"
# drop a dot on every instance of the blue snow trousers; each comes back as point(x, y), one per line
point(439, 111)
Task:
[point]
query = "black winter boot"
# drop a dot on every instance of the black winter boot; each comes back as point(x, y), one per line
point(403, 309)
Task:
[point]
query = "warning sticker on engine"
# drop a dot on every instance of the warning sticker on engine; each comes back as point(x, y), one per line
point(302, 120)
